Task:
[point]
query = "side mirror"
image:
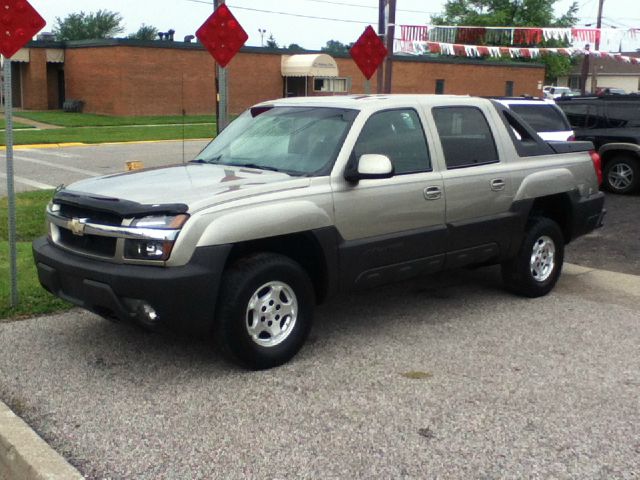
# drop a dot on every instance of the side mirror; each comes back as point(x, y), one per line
point(369, 166)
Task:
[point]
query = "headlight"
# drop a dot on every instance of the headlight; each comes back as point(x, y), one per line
point(160, 221)
point(148, 248)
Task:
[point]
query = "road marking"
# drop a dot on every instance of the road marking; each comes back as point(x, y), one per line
point(50, 153)
point(88, 173)
point(31, 183)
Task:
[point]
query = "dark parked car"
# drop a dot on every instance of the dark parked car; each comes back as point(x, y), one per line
point(612, 123)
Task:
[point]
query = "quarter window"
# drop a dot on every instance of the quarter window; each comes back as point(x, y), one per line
point(465, 136)
point(398, 134)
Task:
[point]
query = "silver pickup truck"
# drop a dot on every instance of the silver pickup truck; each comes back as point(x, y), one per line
point(299, 199)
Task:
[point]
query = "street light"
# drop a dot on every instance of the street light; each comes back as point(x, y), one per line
point(262, 32)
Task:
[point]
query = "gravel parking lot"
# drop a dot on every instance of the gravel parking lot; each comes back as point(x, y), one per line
point(444, 378)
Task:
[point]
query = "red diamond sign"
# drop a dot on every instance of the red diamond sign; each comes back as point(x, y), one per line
point(368, 52)
point(222, 35)
point(19, 22)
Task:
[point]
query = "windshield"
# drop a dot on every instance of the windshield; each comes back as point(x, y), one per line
point(294, 140)
point(543, 118)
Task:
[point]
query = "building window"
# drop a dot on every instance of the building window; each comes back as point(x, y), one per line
point(439, 86)
point(508, 88)
point(330, 85)
point(574, 82)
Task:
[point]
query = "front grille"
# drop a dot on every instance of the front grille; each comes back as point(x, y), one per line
point(92, 216)
point(89, 244)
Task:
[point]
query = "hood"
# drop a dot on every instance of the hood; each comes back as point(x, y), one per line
point(197, 185)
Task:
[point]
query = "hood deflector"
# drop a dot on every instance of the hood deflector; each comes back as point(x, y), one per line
point(124, 208)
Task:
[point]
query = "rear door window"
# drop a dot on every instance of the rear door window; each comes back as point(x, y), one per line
point(543, 118)
point(465, 136)
point(624, 115)
point(584, 115)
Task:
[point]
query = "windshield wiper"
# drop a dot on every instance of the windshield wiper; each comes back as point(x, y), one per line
point(207, 160)
point(254, 165)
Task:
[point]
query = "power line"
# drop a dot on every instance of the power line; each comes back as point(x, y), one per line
point(288, 14)
point(368, 6)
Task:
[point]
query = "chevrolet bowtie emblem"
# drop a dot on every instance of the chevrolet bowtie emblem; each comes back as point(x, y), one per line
point(76, 225)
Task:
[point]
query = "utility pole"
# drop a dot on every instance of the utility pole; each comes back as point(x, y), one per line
point(391, 28)
point(381, 33)
point(594, 65)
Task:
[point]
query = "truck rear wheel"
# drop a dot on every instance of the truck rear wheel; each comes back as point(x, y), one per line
point(265, 311)
point(536, 268)
point(622, 174)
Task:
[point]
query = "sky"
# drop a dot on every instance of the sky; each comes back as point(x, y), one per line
point(343, 20)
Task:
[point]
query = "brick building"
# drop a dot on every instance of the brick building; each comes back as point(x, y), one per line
point(129, 77)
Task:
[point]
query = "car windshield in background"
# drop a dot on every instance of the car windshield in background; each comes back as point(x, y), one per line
point(293, 140)
point(543, 118)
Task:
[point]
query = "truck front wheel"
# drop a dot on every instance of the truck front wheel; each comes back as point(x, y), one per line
point(265, 310)
point(536, 268)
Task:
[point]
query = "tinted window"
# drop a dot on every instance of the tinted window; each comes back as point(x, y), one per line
point(397, 134)
point(624, 114)
point(465, 136)
point(582, 115)
point(543, 118)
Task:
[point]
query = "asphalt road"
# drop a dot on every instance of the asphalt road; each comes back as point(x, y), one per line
point(444, 378)
point(616, 246)
point(42, 168)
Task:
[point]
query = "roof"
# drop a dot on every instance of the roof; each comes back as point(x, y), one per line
point(609, 66)
point(364, 102)
point(309, 65)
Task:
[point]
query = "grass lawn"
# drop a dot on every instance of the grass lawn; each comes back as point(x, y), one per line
point(33, 299)
point(68, 119)
point(112, 134)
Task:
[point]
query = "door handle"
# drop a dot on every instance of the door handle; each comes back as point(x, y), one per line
point(497, 184)
point(432, 193)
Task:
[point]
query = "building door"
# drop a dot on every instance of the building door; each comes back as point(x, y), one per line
point(295, 86)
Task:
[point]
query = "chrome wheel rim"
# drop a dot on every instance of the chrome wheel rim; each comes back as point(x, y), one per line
point(620, 176)
point(271, 314)
point(542, 258)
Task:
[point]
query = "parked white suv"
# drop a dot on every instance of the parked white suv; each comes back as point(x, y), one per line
point(543, 115)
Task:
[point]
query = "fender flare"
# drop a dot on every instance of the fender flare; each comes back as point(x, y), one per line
point(545, 183)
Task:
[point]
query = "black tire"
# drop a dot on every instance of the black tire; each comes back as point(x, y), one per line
point(621, 174)
point(523, 276)
point(259, 276)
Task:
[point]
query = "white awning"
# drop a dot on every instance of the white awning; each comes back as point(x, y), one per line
point(21, 55)
point(310, 65)
point(55, 55)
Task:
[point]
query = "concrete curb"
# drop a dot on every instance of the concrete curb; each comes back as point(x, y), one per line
point(25, 456)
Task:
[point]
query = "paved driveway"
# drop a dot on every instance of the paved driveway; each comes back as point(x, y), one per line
point(445, 378)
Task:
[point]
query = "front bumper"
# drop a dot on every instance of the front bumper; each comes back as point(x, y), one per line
point(180, 297)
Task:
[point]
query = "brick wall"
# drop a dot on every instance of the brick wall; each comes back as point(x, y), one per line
point(125, 79)
point(34, 81)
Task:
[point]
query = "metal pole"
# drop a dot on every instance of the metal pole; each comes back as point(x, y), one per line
point(11, 195)
point(388, 68)
point(367, 87)
point(381, 33)
point(221, 88)
point(594, 65)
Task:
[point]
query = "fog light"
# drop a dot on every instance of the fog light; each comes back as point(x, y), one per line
point(148, 312)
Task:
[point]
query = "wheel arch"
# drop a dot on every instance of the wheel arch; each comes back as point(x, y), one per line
point(315, 251)
point(611, 150)
point(557, 207)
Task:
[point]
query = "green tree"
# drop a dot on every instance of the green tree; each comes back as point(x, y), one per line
point(294, 47)
point(271, 42)
point(335, 47)
point(145, 32)
point(88, 26)
point(517, 13)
